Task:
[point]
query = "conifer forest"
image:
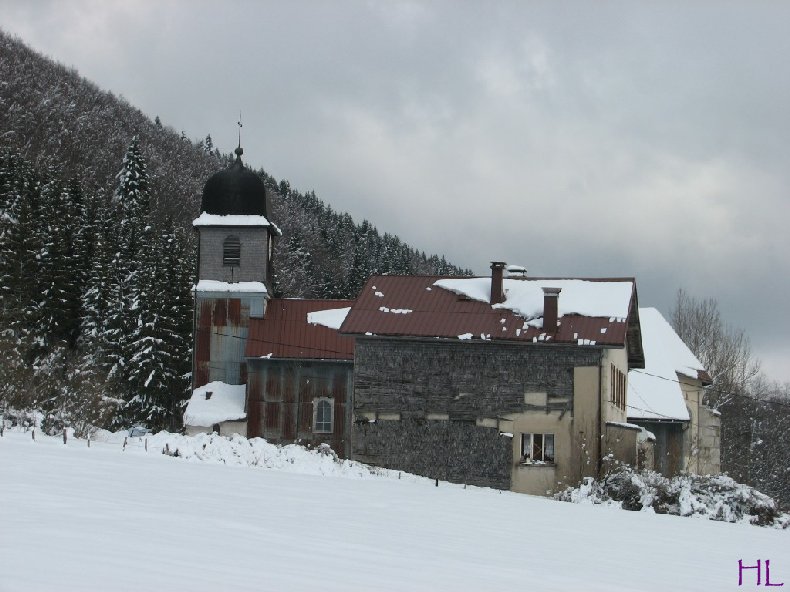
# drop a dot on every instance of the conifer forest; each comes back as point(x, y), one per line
point(97, 253)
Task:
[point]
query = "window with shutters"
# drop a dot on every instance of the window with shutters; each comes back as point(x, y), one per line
point(231, 251)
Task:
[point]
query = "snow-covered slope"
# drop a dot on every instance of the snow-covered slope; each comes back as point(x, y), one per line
point(74, 518)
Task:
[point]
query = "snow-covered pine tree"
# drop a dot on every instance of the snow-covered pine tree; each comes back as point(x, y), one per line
point(175, 326)
point(18, 199)
point(62, 266)
point(131, 271)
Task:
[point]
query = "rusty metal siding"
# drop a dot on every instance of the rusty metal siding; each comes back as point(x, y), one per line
point(253, 405)
point(234, 311)
point(202, 344)
point(220, 340)
point(272, 418)
point(288, 408)
point(289, 416)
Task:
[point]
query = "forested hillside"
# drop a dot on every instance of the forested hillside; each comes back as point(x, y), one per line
point(96, 205)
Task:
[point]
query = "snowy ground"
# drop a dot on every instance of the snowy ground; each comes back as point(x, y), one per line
point(74, 518)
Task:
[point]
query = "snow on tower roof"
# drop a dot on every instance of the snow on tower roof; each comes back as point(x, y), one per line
point(234, 220)
point(217, 286)
point(655, 393)
point(226, 403)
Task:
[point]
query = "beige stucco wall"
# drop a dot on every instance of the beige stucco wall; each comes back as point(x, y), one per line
point(575, 439)
point(618, 357)
point(226, 428)
point(702, 439)
point(620, 446)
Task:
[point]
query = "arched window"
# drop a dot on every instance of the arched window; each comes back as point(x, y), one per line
point(322, 416)
point(231, 251)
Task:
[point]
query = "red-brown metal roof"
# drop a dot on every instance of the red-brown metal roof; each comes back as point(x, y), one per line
point(285, 333)
point(437, 312)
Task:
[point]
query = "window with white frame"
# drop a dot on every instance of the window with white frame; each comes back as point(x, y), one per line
point(323, 415)
point(537, 448)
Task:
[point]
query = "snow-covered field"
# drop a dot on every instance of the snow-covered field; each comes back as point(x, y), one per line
point(104, 519)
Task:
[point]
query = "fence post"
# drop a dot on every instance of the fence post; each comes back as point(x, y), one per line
point(124, 442)
point(146, 444)
point(89, 440)
point(64, 435)
point(34, 433)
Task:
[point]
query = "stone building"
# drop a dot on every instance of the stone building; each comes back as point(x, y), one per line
point(666, 398)
point(506, 381)
point(516, 383)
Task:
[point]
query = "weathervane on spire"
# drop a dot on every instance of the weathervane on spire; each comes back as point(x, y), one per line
point(239, 151)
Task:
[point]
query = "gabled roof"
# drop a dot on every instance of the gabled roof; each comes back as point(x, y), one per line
point(655, 393)
point(458, 308)
point(286, 332)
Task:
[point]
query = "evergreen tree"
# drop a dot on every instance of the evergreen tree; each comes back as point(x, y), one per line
point(133, 276)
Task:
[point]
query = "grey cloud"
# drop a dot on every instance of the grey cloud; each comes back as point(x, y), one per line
point(614, 138)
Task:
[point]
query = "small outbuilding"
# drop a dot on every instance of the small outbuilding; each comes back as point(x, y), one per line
point(217, 407)
point(666, 397)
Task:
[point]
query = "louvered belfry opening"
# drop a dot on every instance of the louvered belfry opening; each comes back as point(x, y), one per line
point(231, 251)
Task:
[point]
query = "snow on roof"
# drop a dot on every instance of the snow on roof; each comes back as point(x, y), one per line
point(666, 356)
point(217, 286)
point(226, 404)
point(230, 220)
point(332, 317)
point(234, 220)
point(525, 297)
point(441, 313)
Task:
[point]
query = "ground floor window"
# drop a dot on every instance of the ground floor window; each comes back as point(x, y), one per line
point(322, 415)
point(537, 448)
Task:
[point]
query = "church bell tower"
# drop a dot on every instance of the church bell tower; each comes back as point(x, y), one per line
point(234, 271)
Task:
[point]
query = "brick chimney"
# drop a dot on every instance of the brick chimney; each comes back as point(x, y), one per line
point(497, 291)
point(551, 298)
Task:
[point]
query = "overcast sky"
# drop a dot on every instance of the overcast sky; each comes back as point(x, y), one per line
point(646, 139)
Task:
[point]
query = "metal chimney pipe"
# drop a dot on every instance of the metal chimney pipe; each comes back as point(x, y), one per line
point(551, 297)
point(497, 291)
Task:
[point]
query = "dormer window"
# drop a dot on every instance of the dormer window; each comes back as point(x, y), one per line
point(231, 251)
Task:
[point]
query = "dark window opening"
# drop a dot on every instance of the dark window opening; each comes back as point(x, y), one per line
point(231, 251)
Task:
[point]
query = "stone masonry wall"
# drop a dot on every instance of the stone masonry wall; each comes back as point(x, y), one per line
point(401, 387)
point(253, 261)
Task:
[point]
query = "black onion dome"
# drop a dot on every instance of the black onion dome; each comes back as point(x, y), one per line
point(233, 191)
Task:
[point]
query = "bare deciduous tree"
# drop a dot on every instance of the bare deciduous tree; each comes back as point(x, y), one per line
point(724, 351)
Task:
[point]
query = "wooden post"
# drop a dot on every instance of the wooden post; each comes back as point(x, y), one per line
point(34, 433)
point(64, 435)
point(89, 440)
point(437, 481)
point(124, 442)
point(146, 444)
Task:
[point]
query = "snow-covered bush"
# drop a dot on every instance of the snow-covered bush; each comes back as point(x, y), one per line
point(714, 497)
